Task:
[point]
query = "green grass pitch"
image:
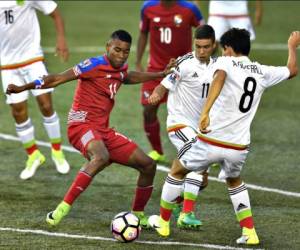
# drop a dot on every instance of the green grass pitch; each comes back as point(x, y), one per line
point(273, 161)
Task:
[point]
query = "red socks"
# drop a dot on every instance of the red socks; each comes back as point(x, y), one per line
point(142, 195)
point(165, 213)
point(81, 182)
point(153, 133)
point(56, 146)
point(31, 149)
point(188, 206)
point(247, 222)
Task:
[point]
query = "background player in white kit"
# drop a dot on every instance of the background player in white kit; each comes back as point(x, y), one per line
point(226, 117)
point(188, 88)
point(224, 15)
point(21, 59)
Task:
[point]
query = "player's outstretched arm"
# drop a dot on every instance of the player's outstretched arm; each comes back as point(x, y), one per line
point(157, 94)
point(45, 82)
point(138, 77)
point(214, 91)
point(61, 44)
point(293, 43)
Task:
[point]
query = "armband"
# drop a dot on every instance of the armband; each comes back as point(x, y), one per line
point(38, 83)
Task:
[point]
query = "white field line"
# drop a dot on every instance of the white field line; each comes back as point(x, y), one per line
point(87, 237)
point(161, 168)
point(98, 49)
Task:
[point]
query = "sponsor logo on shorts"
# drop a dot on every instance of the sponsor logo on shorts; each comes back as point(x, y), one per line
point(146, 94)
point(88, 136)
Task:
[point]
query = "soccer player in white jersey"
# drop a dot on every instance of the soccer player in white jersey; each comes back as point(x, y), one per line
point(188, 88)
point(21, 59)
point(224, 15)
point(232, 101)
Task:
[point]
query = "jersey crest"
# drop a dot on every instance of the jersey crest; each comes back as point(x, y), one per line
point(178, 20)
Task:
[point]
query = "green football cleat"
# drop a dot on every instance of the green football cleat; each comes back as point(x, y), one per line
point(162, 159)
point(143, 219)
point(176, 211)
point(249, 237)
point(188, 221)
point(34, 160)
point(161, 226)
point(62, 166)
point(53, 218)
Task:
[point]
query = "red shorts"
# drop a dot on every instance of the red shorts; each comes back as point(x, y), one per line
point(119, 146)
point(147, 89)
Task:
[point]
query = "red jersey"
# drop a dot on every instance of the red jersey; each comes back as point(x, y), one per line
point(170, 30)
point(98, 83)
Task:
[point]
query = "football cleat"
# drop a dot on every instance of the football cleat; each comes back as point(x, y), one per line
point(249, 237)
point(157, 157)
point(62, 166)
point(34, 160)
point(161, 226)
point(143, 219)
point(53, 218)
point(188, 221)
point(176, 211)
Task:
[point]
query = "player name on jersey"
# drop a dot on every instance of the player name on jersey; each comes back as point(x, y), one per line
point(252, 67)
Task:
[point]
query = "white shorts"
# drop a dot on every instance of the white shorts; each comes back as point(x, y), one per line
point(182, 136)
point(201, 155)
point(20, 77)
point(222, 24)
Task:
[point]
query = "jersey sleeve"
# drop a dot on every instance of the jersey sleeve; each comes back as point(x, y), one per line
point(144, 21)
point(221, 64)
point(274, 75)
point(197, 16)
point(84, 69)
point(172, 80)
point(47, 7)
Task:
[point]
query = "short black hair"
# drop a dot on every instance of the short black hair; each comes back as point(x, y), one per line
point(205, 32)
point(122, 35)
point(238, 40)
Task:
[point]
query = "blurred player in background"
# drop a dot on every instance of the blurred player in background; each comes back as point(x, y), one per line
point(224, 15)
point(22, 61)
point(99, 79)
point(169, 24)
point(233, 99)
point(187, 89)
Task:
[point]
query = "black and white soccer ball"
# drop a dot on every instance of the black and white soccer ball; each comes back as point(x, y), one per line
point(125, 227)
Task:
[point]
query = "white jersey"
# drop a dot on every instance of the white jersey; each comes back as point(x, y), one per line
point(228, 8)
point(234, 109)
point(188, 88)
point(20, 31)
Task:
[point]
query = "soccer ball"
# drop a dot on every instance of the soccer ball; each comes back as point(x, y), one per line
point(125, 227)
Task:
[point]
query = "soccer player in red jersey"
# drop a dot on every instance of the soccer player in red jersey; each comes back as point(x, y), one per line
point(169, 24)
point(99, 79)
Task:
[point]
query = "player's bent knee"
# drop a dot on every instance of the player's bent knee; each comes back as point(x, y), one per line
point(19, 111)
point(46, 107)
point(233, 182)
point(100, 160)
point(149, 167)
